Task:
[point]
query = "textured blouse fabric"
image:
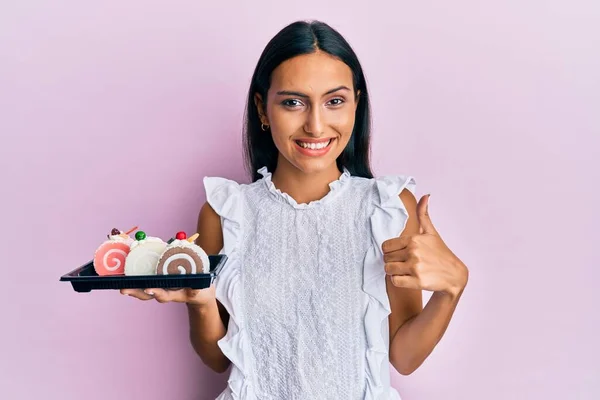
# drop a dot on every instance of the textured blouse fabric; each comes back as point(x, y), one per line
point(304, 286)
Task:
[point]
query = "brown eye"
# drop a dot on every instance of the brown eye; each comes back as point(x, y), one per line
point(336, 102)
point(291, 103)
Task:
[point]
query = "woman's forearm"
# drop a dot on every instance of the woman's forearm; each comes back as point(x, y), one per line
point(206, 329)
point(416, 338)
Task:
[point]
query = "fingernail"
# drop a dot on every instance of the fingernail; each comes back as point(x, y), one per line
point(151, 293)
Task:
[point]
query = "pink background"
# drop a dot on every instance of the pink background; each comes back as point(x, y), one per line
point(111, 112)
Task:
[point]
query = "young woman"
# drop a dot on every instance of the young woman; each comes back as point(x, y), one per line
point(326, 266)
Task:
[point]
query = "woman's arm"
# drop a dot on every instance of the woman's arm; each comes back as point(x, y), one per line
point(418, 335)
point(414, 331)
point(208, 322)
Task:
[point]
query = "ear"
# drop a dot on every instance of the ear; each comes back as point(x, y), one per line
point(260, 106)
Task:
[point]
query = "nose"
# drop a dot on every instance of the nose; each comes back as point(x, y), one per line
point(314, 124)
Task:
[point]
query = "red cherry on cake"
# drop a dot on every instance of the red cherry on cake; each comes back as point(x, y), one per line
point(181, 236)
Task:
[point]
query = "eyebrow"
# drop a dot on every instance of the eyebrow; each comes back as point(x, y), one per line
point(292, 93)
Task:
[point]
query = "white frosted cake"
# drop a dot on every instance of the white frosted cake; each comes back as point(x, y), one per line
point(144, 254)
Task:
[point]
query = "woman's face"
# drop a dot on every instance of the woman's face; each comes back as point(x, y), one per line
point(311, 107)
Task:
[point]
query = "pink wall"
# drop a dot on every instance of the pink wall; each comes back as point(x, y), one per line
point(111, 112)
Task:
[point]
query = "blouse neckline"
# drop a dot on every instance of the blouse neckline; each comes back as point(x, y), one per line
point(334, 188)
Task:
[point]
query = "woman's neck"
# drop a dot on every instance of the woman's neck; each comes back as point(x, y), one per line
point(303, 187)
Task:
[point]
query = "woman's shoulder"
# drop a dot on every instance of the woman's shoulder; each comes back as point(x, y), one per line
point(223, 196)
point(386, 185)
point(222, 188)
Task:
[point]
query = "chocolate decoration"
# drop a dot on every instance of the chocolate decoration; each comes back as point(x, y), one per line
point(175, 263)
point(115, 231)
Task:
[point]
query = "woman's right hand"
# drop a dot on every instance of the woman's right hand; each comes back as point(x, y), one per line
point(211, 240)
point(194, 297)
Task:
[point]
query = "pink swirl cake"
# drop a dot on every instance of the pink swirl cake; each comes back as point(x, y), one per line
point(109, 258)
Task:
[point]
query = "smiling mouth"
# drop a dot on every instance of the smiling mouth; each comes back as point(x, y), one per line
point(314, 145)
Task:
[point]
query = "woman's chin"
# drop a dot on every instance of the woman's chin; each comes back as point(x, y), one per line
point(315, 166)
point(311, 164)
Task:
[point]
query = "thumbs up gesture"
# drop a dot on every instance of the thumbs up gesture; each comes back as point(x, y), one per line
point(423, 261)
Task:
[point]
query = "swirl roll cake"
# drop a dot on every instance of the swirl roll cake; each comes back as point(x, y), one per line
point(110, 256)
point(183, 257)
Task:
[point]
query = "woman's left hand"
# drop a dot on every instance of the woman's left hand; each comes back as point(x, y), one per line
point(424, 261)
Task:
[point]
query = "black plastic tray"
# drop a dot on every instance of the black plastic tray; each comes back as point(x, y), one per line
point(85, 278)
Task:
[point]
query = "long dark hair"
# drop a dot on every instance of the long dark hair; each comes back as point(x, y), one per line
point(296, 39)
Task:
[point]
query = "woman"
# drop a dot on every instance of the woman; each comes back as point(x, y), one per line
point(326, 263)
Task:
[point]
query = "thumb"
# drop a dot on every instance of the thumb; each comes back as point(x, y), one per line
point(423, 215)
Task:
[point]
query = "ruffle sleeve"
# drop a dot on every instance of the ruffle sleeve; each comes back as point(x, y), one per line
point(387, 221)
point(225, 197)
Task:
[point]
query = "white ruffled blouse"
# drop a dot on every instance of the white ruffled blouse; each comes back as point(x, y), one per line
point(305, 288)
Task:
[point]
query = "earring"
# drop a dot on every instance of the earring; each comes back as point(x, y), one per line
point(264, 127)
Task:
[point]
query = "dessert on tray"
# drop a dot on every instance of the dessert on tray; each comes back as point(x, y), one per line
point(144, 254)
point(109, 258)
point(120, 254)
point(182, 257)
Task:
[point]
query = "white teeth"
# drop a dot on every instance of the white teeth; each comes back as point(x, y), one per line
point(314, 146)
